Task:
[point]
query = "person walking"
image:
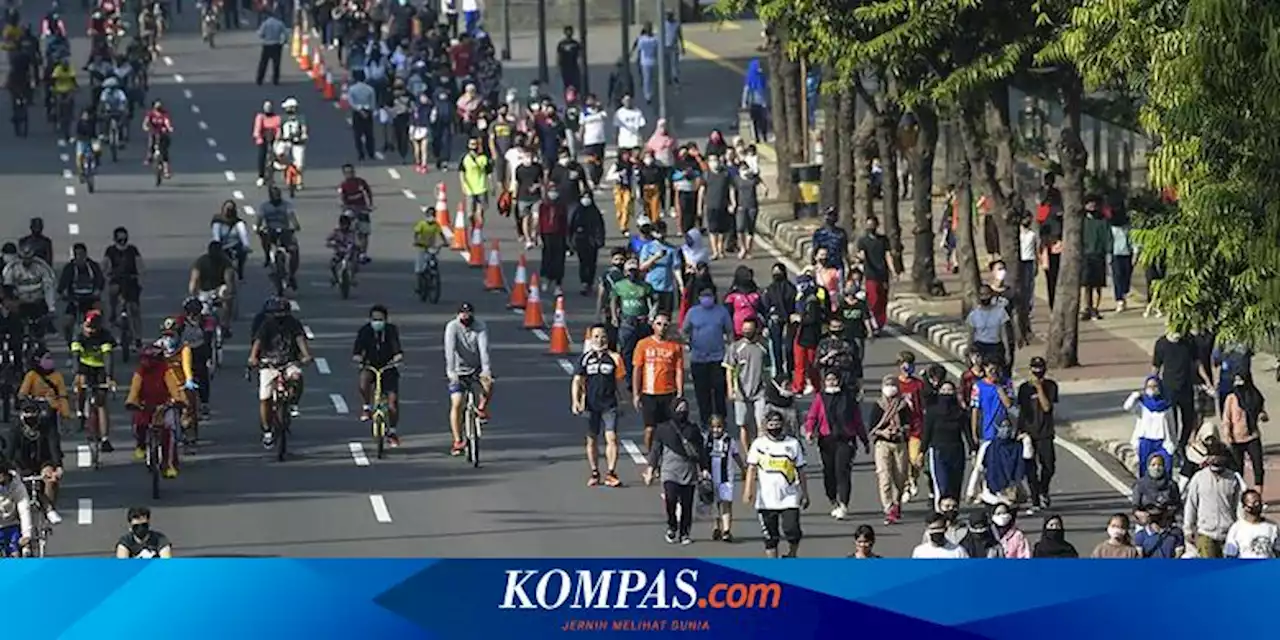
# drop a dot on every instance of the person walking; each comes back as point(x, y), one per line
point(1121, 259)
point(707, 328)
point(1242, 412)
point(835, 422)
point(274, 35)
point(363, 101)
point(1053, 541)
point(809, 316)
point(724, 451)
point(630, 301)
point(1252, 536)
point(586, 232)
point(748, 363)
point(873, 252)
point(890, 421)
point(657, 376)
point(980, 542)
point(778, 304)
point(1158, 537)
point(947, 441)
point(1153, 429)
point(597, 384)
point(678, 458)
point(864, 543)
point(553, 229)
point(1119, 542)
point(1212, 497)
point(1005, 526)
point(937, 546)
point(1097, 244)
point(1036, 400)
point(776, 484)
point(645, 50)
point(569, 60)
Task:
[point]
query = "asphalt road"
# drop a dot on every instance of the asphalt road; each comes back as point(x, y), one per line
point(529, 499)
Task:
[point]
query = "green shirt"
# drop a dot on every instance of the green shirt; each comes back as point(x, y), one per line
point(634, 298)
point(475, 174)
point(1097, 236)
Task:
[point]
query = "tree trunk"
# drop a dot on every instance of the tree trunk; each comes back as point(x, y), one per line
point(846, 133)
point(863, 151)
point(830, 190)
point(1006, 209)
point(923, 269)
point(966, 246)
point(1063, 348)
point(778, 111)
point(792, 90)
point(886, 145)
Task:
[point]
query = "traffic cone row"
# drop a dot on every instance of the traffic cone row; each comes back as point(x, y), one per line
point(520, 288)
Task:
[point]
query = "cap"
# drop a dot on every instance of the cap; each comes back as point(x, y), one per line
point(466, 308)
point(1038, 363)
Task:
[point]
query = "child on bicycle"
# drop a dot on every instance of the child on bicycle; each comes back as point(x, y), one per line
point(155, 385)
point(343, 242)
point(43, 381)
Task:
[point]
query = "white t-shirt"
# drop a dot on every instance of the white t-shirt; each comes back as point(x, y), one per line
point(594, 123)
point(470, 5)
point(778, 464)
point(948, 551)
point(629, 122)
point(513, 157)
point(988, 322)
point(1253, 540)
point(1028, 245)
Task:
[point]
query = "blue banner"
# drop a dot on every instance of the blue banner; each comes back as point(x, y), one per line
point(741, 599)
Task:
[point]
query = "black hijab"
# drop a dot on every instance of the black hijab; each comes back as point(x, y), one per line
point(1053, 542)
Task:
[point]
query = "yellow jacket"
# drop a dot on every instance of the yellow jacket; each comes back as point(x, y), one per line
point(180, 364)
point(171, 383)
point(55, 390)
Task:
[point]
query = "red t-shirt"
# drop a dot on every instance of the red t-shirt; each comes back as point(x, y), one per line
point(354, 193)
point(911, 389)
point(460, 58)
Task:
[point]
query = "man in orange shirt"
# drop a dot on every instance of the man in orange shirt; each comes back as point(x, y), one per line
point(657, 377)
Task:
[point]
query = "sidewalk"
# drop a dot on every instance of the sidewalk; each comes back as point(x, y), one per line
point(1115, 351)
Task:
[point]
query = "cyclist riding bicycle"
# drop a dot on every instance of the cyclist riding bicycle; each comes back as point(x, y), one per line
point(466, 356)
point(378, 345)
point(177, 355)
point(34, 286)
point(159, 126)
point(34, 447)
point(428, 235)
point(92, 351)
point(214, 274)
point(279, 348)
point(343, 241)
point(16, 524)
point(45, 382)
point(86, 138)
point(122, 262)
point(356, 196)
point(142, 541)
point(81, 285)
point(196, 329)
point(278, 225)
point(232, 233)
point(154, 385)
point(293, 129)
point(113, 105)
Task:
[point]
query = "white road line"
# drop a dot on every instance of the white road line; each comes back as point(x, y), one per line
point(72, 208)
point(211, 142)
point(186, 93)
point(178, 77)
point(237, 194)
point(83, 459)
point(67, 175)
point(230, 175)
point(307, 330)
point(248, 210)
point(168, 62)
point(357, 454)
point(73, 229)
point(84, 511)
point(220, 157)
point(566, 365)
point(380, 510)
point(542, 335)
point(634, 451)
point(203, 126)
point(395, 175)
point(64, 157)
point(70, 190)
point(339, 404)
point(409, 194)
point(195, 108)
point(322, 366)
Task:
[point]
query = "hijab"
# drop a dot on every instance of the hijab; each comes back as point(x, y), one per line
point(837, 406)
point(1158, 403)
point(755, 79)
point(1250, 400)
point(744, 280)
point(1053, 542)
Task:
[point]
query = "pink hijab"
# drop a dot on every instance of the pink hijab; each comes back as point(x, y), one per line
point(662, 144)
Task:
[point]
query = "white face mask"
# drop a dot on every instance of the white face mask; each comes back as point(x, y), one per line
point(564, 162)
point(889, 392)
point(586, 202)
point(1000, 274)
point(1002, 519)
point(648, 161)
point(835, 389)
point(1115, 533)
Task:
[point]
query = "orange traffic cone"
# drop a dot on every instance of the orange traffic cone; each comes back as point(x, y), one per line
point(295, 43)
point(304, 60)
point(442, 205)
point(559, 331)
point(520, 288)
point(342, 97)
point(493, 270)
point(317, 72)
point(328, 86)
point(533, 306)
point(459, 231)
point(476, 256)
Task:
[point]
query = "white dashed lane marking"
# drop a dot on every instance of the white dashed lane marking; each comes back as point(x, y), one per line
point(322, 366)
point(72, 208)
point(357, 454)
point(70, 190)
point(203, 126)
point(186, 93)
point(211, 142)
point(84, 511)
point(339, 405)
point(237, 194)
point(67, 175)
point(380, 510)
point(83, 457)
point(220, 157)
point(73, 229)
point(634, 451)
point(168, 62)
point(395, 175)
point(178, 77)
point(230, 175)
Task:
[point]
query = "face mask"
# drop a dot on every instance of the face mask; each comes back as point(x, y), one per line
point(466, 322)
point(46, 363)
point(585, 201)
point(1151, 393)
point(889, 392)
point(909, 369)
point(831, 389)
point(1238, 383)
point(141, 529)
point(779, 277)
point(648, 162)
point(1174, 337)
point(774, 431)
point(378, 325)
point(951, 515)
point(749, 334)
point(122, 242)
point(706, 301)
point(1216, 468)
point(1039, 373)
point(984, 301)
point(1002, 519)
point(564, 162)
point(1115, 533)
point(1156, 472)
point(1000, 274)
point(1054, 535)
point(553, 195)
point(714, 166)
point(1253, 509)
point(601, 343)
point(938, 538)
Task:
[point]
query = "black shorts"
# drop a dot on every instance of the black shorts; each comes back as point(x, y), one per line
point(130, 288)
point(656, 409)
point(390, 381)
point(597, 420)
point(719, 221)
point(80, 305)
point(33, 310)
point(1094, 272)
point(779, 524)
point(93, 376)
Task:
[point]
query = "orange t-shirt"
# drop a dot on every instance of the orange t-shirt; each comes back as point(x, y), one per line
point(659, 364)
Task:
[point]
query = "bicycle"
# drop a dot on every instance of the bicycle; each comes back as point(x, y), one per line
point(429, 278)
point(21, 117)
point(279, 264)
point(380, 417)
point(345, 271)
point(41, 530)
point(279, 418)
point(125, 326)
point(113, 136)
point(472, 425)
point(157, 159)
point(89, 167)
point(64, 105)
point(154, 437)
point(89, 403)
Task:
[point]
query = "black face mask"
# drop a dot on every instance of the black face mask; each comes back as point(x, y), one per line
point(938, 538)
point(951, 515)
point(1253, 509)
point(1055, 535)
point(466, 322)
point(779, 277)
point(140, 529)
point(122, 242)
point(276, 201)
point(775, 433)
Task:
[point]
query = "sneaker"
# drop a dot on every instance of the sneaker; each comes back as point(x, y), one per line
point(727, 538)
point(393, 438)
point(268, 440)
point(139, 454)
point(458, 449)
point(293, 411)
point(715, 535)
point(366, 413)
point(106, 446)
point(611, 480)
point(1119, 306)
point(53, 517)
point(170, 472)
point(261, 182)
point(834, 510)
point(593, 479)
point(671, 537)
point(1031, 510)
point(1045, 503)
point(483, 414)
point(686, 540)
point(840, 512)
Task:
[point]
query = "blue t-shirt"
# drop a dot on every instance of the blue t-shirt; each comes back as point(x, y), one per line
point(661, 276)
point(1158, 545)
point(986, 400)
point(707, 329)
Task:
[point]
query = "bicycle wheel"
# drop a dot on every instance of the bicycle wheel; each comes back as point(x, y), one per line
point(433, 288)
point(153, 461)
point(126, 340)
point(282, 431)
point(115, 142)
point(379, 433)
point(344, 280)
point(472, 432)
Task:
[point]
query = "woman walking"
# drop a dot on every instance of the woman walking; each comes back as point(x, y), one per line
point(678, 458)
point(1153, 429)
point(1243, 409)
point(890, 420)
point(835, 421)
point(947, 440)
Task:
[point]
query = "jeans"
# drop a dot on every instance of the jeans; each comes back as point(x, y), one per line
point(631, 332)
point(1041, 467)
point(1121, 275)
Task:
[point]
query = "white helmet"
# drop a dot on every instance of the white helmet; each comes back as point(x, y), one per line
point(289, 103)
point(110, 83)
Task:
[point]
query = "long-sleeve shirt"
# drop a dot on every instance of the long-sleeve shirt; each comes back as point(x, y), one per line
point(466, 349)
point(273, 32)
point(1212, 498)
point(231, 235)
point(15, 506)
point(629, 122)
point(818, 423)
point(1150, 425)
point(947, 429)
point(50, 386)
point(669, 457)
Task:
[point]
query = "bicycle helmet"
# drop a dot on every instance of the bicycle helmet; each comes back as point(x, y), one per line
point(275, 305)
point(93, 319)
point(110, 83)
point(289, 103)
point(30, 412)
point(169, 326)
point(192, 305)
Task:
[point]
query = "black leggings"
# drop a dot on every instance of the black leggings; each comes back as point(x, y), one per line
point(682, 495)
point(1252, 449)
point(837, 467)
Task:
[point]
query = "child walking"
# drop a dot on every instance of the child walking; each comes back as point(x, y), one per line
point(724, 448)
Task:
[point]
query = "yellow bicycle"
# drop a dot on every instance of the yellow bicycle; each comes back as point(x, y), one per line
point(381, 415)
